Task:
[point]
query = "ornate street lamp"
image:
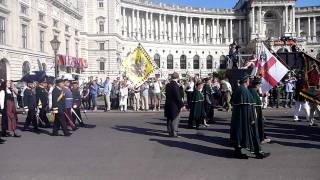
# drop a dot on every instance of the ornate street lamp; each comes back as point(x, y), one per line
point(55, 43)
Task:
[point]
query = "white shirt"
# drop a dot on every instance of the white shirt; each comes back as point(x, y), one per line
point(124, 91)
point(2, 97)
point(50, 97)
point(191, 86)
point(157, 87)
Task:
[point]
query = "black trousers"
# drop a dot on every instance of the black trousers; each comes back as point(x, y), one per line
point(31, 118)
point(209, 112)
point(189, 99)
point(60, 121)
point(4, 122)
point(43, 117)
point(74, 117)
point(89, 101)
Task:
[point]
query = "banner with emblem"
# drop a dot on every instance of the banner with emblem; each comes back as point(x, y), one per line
point(311, 90)
point(138, 66)
point(269, 68)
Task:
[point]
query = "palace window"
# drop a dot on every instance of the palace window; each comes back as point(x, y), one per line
point(41, 41)
point(25, 68)
point(77, 49)
point(3, 2)
point(67, 28)
point(2, 30)
point(67, 46)
point(55, 23)
point(157, 60)
point(170, 61)
point(41, 17)
point(101, 46)
point(100, 3)
point(196, 62)
point(24, 9)
point(209, 62)
point(101, 27)
point(183, 62)
point(24, 35)
point(101, 65)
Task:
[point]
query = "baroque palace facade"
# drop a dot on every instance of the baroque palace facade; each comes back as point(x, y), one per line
point(178, 38)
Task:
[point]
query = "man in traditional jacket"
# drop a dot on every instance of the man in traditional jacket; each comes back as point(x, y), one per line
point(30, 105)
point(58, 104)
point(173, 105)
point(42, 102)
point(243, 132)
point(76, 114)
point(208, 97)
point(254, 90)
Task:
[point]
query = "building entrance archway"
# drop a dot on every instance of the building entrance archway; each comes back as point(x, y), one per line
point(272, 24)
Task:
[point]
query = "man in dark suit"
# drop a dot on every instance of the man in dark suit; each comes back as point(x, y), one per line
point(173, 105)
point(42, 102)
point(29, 100)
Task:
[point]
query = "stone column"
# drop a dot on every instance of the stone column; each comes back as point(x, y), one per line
point(139, 25)
point(226, 32)
point(314, 29)
point(151, 26)
point(124, 29)
point(178, 29)
point(240, 31)
point(133, 20)
point(218, 32)
point(213, 32)
point(231, 30)
point(286, 18)
point(253, 32)
point(165, 28)
point(260, 21)
point(298, 31)
point(147, 27)
point(309, 29)
point(160, 27)
point(191, 30)
point(205, 31)
point(293, 20)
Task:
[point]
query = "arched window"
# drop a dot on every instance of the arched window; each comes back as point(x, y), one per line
point(170, 61)
point(223, 62)
point(156, 59)
point(183, 62)
point(209, 62)
point(196, 62)
point(318, 56)
point(25, 68)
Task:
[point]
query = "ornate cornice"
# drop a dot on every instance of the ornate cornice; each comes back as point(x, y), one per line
point(67, 7)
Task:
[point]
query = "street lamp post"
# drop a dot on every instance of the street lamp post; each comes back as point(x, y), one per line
point(55, 43)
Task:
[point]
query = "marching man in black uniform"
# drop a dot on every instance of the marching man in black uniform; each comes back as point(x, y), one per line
point(29, 100)
point(58, 104)
point(42, 101)
point(76, 115)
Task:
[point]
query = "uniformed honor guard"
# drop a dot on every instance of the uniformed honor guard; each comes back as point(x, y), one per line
point(76, 114)
point(43, 102)
point(255, 89)
point(68, 105)
point(243, 132)
point(30, 105)
point(58, 104)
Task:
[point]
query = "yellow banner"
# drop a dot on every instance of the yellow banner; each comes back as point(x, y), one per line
point(138, 66)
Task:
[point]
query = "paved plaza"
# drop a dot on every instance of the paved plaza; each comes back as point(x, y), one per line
point(135, 146)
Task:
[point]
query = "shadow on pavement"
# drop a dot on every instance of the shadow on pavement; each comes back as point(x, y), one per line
point(143, 131)
point(225, 153)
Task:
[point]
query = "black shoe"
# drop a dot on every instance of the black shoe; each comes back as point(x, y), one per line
point(16, 135)
point(241, 156)
point(2, 141)
point(262, 155)
point(54, 134)
point(36, 130)
point(67, 135)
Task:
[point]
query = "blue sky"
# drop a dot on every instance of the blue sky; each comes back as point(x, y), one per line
point(226, 3)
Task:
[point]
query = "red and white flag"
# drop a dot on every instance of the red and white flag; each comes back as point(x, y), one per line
point(269, 68)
